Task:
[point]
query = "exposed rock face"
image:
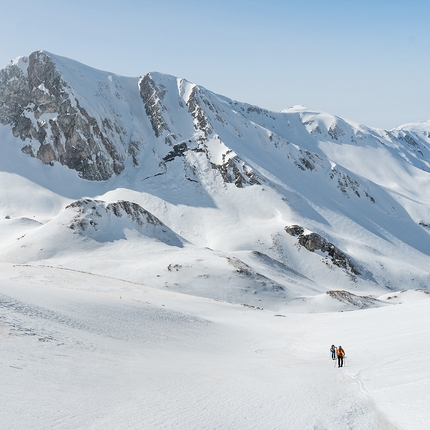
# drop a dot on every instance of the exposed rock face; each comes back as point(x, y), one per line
point(46, 113)
point(359, 302)
point(201, 121)
point(95, 124)
point(245, 270)
point(178, 151)
point(43, 111)
point(235, 171)
point(97, 219)
point(346, 184)
point(121, 208)
point(335, 132)
point(152, 96)
point(410, 141)
point(294, 230)
point(314, 242)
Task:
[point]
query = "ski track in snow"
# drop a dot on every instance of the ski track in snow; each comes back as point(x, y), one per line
point(79, 354)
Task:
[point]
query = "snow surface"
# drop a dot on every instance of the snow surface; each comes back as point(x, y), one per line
point(81, 351)
point(212, 316)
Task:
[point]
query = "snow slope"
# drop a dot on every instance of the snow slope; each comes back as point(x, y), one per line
point(172, 258)
point(84, 351)
point(225, 179)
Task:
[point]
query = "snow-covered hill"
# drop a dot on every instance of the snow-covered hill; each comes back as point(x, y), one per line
point(225, 182)
point(172, 257)
point(81, 351)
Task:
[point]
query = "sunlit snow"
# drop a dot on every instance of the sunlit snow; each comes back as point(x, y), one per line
point(172, 296)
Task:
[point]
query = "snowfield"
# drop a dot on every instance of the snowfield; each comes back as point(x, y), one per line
point(174, 259)
point(81, 351)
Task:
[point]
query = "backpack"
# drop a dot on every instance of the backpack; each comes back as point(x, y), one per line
point(340, 352)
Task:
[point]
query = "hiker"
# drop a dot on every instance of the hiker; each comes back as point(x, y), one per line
point(333, 352)
point(340, 355)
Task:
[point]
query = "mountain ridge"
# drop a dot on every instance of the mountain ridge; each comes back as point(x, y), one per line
point(221, 174)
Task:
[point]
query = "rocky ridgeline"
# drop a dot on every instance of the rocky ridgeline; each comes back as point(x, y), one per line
point(95, 217)
point(195, 108)
point(43, 111)
point(232, 170)
point(235, 171)
point(152, 96)
point(94, 126)
point(314, 242)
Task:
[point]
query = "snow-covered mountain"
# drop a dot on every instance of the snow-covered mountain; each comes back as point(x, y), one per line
point(167, 253)
point(180, 188)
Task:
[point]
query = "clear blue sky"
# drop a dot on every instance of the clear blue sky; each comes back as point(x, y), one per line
point(363, 60)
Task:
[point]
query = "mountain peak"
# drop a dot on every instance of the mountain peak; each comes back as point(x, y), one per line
point(226, 176)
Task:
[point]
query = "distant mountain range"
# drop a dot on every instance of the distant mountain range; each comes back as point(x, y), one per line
point(181, 188)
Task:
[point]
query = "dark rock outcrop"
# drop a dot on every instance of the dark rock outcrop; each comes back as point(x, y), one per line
point(178, 151)
point(152, 97)
point(43, 111)
point(294, 230)
point(265, 283)
point(235, 171)
point(314, 242)
point(106, 222)
point(201, 121)
point(359, 302)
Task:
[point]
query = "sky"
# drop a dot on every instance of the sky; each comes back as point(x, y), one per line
point(365, 61)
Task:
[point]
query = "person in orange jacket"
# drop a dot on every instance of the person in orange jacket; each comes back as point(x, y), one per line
point(340, 356)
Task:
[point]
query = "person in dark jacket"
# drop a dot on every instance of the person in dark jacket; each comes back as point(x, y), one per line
point(333, 352)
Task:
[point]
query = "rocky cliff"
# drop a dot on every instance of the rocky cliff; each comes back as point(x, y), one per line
point(46, 115)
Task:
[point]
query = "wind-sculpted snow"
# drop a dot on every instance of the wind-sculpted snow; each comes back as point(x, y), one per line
point(138, 321)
